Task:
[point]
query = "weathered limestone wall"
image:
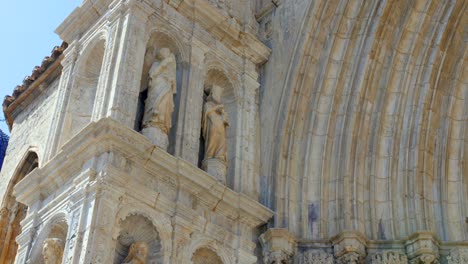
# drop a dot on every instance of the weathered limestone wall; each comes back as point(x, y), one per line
point(30, 133)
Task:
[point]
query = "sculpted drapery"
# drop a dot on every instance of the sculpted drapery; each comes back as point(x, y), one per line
point(214, 125)
point(159, 104)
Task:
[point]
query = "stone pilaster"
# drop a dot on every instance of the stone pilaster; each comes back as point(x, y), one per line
point(278, 246)
point(423, 248)
point(190, 107)
point(246, 171)
point(102, 206)
point(128, 54)
point(64, 89)
point(349, 247)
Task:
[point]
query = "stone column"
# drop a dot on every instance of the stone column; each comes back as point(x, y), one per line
point(190, 106)
point(349, 247)
point(278, 246)
point(128, 55)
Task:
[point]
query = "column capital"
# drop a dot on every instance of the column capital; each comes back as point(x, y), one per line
point(278, 245)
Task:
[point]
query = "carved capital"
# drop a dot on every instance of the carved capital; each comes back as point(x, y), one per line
point(349, 247)
point(278, 246)
point(423, 247)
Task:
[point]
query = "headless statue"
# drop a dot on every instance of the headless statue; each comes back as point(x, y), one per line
point(214, 125)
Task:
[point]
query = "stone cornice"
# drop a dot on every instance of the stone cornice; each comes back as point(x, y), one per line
point(221, 26)
point(108, 136)
point(224, 28)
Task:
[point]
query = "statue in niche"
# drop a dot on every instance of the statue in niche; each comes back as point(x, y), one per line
point(52, 251)
point(137, 254)
point(214, 125)
point(159, 105)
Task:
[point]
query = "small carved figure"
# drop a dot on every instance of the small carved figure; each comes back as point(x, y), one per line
point(214, 125)
point(137, 254)
point(52, 251)
point(162, 85)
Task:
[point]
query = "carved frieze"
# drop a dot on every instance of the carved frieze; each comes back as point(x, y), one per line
point(316, 256)
point(458, 256)
point(388, 257)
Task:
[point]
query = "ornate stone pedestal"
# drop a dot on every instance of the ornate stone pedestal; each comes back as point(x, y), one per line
point(216, 168)
point(156, 136)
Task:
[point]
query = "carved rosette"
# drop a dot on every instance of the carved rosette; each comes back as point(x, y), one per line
point(458, 256)
point(389, 257)
point(316, 256)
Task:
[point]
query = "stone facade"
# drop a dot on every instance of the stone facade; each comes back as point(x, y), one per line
point(235, 131)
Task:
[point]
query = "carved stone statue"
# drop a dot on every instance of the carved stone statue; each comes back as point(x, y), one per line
point(137, 254)
point(52, 250)
point(159, 105)
point(214, 124)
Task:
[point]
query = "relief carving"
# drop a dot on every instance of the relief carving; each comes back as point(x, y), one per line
point(350, 258)
point(389, 257)
point(316, 257)
point(458, 256)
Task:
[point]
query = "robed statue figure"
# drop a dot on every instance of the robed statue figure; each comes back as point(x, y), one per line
point(214, 124)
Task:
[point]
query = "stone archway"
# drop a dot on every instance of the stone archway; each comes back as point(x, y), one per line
point(13, 212)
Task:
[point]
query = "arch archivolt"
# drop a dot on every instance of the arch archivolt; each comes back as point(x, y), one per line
point(55, 227)
point(360, 121)
point(200, 241)
point(160, 221)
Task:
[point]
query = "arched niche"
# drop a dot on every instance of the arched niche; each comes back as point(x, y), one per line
point(57, 228)
point(83, 93)
point(13, 212)
point(216, 77)
point(206, 256)
point(138, 228)
point(156, 42)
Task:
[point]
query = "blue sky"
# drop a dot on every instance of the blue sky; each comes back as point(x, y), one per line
point(27, 29)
